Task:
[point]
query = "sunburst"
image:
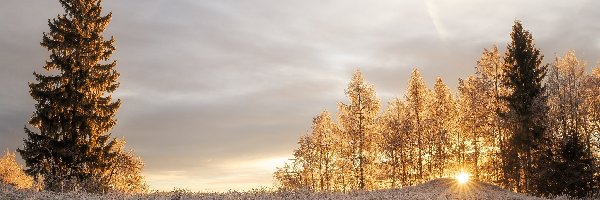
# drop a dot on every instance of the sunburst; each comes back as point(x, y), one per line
point(462, 177)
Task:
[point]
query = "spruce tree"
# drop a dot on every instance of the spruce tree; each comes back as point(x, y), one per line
point(575, 169)
point(526, 102)
point(74, 108)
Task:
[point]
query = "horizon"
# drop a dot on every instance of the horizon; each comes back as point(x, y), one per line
point(215, 94)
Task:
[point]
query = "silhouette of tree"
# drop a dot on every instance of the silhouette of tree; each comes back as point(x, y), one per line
point(526, 102)
point(74, 106)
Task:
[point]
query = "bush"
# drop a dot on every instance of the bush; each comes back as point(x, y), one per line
point(125, 174)
point(12, 173)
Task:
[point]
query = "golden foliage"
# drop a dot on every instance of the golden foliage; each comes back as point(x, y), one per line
point(11, 172)
point(126, 174)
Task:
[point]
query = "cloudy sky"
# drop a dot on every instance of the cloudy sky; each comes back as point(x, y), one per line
point(216, 93)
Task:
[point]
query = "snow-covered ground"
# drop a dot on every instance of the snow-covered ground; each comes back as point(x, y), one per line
point(435, 189)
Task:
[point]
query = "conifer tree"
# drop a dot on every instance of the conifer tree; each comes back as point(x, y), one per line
point(358, 121)
point(416, 99)
point(592, 107)
point(526, 103)
point(344, 178)
point(313, 166)
point(396, 144)
point(305, 156)
point(443, 123)
point(474, 118)
point(324, 138)
point(489, 72)
point(574, 170)
point(74, 107)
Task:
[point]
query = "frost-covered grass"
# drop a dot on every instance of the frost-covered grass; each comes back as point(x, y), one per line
point(435, 189)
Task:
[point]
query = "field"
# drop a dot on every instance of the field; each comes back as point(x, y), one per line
point(435, 189)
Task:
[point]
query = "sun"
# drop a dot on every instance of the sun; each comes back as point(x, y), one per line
point(462, 177)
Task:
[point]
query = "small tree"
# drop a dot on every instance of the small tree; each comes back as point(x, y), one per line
point(313, 166)
point(126, 173)
point(288, 178)
point(575, 169)
point(11, 172)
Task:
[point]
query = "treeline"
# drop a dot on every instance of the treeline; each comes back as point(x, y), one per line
point(516, 123)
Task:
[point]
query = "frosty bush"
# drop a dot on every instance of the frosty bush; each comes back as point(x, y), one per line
point(11, 172)
point(126, 173)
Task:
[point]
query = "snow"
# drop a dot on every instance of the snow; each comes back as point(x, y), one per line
point(436, 189)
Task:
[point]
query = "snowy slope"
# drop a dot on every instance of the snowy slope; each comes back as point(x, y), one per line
point(435, 189)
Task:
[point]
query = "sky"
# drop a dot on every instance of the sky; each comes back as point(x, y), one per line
point(216, 93)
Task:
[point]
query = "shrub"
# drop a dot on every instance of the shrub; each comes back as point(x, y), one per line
point(12, 173)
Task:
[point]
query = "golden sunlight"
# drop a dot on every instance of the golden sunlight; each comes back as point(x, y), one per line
point(462, 177)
